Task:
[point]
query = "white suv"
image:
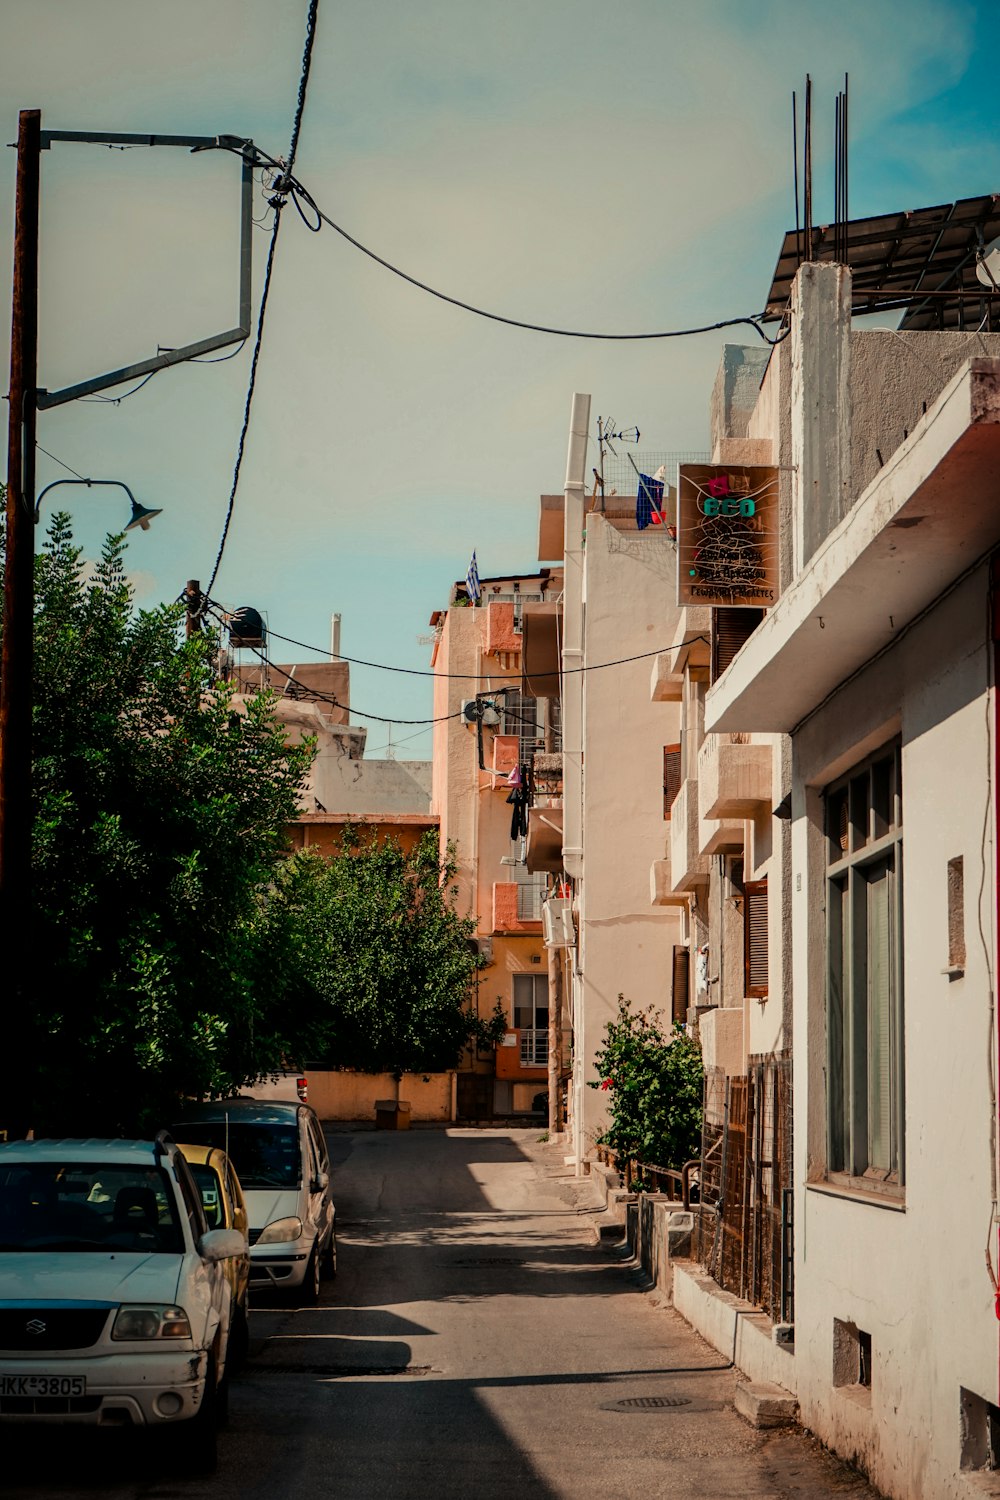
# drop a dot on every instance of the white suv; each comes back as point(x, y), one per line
point(115, 1306)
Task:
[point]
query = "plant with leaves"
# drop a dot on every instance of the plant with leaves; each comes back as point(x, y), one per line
point(653, 1082)
point(394, 962)
point(159, 833)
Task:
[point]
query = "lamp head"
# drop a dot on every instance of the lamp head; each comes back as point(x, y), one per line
point(141, 517)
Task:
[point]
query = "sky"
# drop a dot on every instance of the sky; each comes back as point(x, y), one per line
point(557, 161)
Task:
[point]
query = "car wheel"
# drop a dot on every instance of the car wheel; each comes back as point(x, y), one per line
point(197, 1438)
point(310, 1285)
point(329, 1262)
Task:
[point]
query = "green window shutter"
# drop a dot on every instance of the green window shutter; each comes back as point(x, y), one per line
point(880, 882)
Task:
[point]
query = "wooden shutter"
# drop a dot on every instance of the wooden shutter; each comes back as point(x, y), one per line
point(671, 776)
point(731, 629)
point(679, 993)
point(755, 938)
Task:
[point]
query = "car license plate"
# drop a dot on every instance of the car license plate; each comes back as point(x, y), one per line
point(43, 1385)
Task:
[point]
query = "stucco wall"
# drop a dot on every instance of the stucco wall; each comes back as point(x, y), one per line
point(914, 1278)
point(352, 1096)
point(626, 944)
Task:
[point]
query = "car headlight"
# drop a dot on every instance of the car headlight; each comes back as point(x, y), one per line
point(280, 1231)
point(151, 1321)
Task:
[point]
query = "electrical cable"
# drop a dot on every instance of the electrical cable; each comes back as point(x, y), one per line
point(286, 184)
point(335, 702)
point(265, 290)
point(357, 661)
point(59, 462)
point(117, 400)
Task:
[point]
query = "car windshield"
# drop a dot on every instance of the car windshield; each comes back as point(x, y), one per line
point(210, 1188)
point(57, 1205)
point(263, 1154)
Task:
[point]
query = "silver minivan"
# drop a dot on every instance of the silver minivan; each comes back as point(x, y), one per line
point(280, 1156)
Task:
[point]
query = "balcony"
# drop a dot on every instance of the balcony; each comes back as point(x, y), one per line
point(734, 780)
point(690, 647)
point(523, 1053)
point(517, 907)
point(661, 892)
point(688, 865)
point(502, 634)
point(543, 852)
point(540, 663)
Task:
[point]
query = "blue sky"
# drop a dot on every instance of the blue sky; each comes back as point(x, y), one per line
point(557, 161)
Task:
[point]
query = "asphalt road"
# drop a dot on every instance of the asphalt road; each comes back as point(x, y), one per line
point(476, 1344)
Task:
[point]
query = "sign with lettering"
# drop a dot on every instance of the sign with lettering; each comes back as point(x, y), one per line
point(727, 535)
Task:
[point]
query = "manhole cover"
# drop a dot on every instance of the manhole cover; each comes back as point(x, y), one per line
point(648, 1403)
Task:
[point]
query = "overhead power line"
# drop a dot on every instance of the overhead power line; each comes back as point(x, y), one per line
point(300, 105)
point(598, 666)
point(286, 185)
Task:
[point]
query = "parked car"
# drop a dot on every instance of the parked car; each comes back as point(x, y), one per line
point(225, 1208)
point(115, 1305)
point(280, 1154)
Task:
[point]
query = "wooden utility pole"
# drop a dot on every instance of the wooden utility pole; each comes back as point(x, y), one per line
point(18, 618)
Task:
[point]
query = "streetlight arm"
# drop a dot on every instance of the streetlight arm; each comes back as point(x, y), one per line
point(118, 483)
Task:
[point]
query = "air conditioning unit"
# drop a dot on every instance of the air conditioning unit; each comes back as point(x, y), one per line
point(558, 928)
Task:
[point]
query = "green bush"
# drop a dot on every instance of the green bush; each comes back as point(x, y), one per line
point(654, 1084)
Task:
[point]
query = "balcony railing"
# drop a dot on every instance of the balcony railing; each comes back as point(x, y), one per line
point(534, 1048)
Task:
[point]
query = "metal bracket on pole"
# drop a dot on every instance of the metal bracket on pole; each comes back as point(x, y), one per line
point(166, 357)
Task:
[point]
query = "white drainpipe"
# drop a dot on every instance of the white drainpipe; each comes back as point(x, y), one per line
point(571, 686)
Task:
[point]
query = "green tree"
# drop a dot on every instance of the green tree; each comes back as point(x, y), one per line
point(393, 960)
point(653, 1080)
point(159, 836)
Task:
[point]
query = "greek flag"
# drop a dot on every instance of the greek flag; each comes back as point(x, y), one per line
point(472, 581)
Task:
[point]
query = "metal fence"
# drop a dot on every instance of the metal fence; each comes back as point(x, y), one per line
point(744, 1227)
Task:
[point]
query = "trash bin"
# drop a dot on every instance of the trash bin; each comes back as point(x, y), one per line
point(391, 1114)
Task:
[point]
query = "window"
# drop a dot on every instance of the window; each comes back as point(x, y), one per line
point(521, 716)
point(532, 887)
point(672, 777)
point(864, 840)
point(531, 1018)
point(755, 939)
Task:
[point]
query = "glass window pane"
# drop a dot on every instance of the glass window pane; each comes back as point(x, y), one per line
point(880, 1018)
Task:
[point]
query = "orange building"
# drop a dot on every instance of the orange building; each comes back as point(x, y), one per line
point(493, 730)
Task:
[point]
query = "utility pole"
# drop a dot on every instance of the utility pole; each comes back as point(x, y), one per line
point(18, 623)
point(195, 609)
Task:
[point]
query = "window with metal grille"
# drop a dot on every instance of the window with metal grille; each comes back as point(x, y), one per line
point(671, 776)
point(531, 1018)
point(864, 832)
point(531, 889)
point(755, 939)
point(731, 629)
point(521, 716)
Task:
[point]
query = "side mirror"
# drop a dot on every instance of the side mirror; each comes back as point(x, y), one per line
point(222, 1244)
point(321, 1182)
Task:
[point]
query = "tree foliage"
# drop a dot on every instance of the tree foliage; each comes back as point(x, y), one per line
point(393, 960)
point(176, 947)
point(160, 816)
point(653, 1079)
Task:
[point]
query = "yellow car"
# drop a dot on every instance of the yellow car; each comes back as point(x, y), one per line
point(225, 1208)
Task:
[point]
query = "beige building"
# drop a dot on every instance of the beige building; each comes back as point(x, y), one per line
point(847, 751)
point(487, 732)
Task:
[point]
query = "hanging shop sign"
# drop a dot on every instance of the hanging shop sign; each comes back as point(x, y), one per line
point(727, 535)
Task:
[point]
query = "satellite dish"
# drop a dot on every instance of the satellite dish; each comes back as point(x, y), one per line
point(988, 266)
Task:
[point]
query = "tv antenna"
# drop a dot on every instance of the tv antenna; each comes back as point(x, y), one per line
point(608, 434)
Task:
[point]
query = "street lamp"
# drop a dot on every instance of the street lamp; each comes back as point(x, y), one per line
point(141, 514)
